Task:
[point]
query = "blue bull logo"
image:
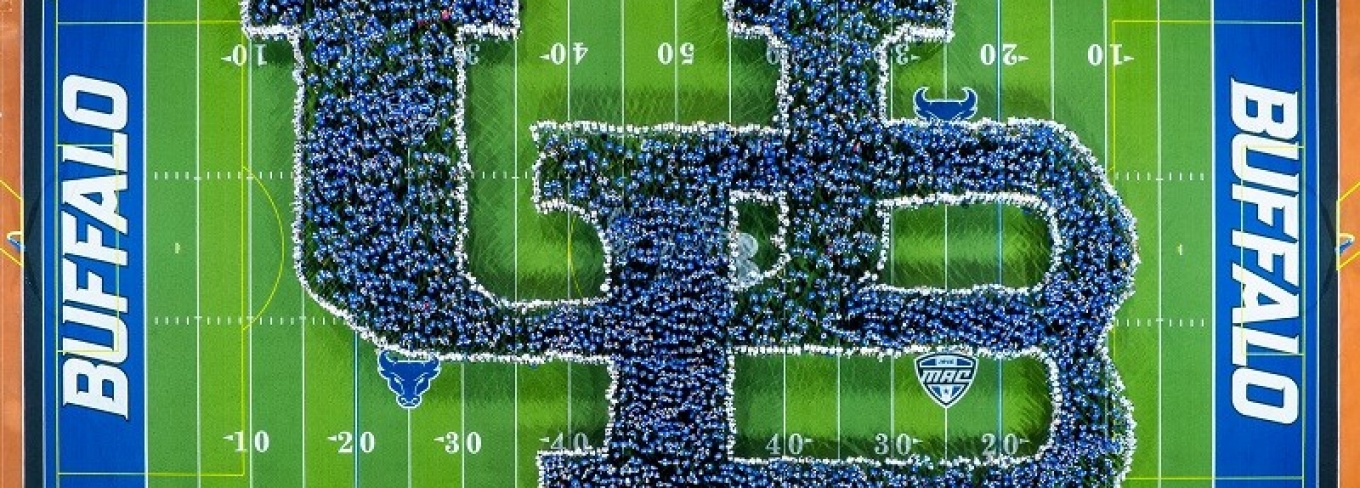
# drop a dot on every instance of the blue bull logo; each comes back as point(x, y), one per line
point(409, 380)
point(945, 109)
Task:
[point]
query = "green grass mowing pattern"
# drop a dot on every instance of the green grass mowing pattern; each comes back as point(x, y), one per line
point(931, 241)
point(171, 272)
point(1186, 246)
point(239, 246)
point(879, 400)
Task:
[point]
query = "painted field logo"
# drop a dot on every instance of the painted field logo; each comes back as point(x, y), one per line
point(946, 376)
point(945, 109)
point(409, 380)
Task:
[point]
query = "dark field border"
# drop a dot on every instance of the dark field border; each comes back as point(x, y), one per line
point(32, 176)
point(1326, 63)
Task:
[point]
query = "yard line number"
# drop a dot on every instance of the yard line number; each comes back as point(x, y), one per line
point(558, 53)
point(259, 442)
point(240, 55)
point(1095, 55)
point(665, 53)
point(365, 442)
point(565, 442)
point(791, 445)
point(454, 443)
point(1009, 446)
point(899, 446)
point(1008, 55)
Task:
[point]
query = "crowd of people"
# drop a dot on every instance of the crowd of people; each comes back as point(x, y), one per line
point(382, 214)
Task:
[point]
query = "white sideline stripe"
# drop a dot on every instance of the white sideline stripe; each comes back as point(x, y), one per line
point(198, 239)
point(1160, 256)
point(146, 165)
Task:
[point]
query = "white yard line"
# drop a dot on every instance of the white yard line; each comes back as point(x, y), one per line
point(250, 255)
point(1105, 159)
point(462, 421)
point(945, 57)
point(1213, 247)
point(515, 138)
point(146, 168)
point(946, 433)
point(356, 433)
point(1000, 241)
point(1161, 440)
point(408, 448)
point(623, 62)
point(303, 354)
point(892, 277)
point(516, 456)
point(675, 63)
point(198, 240)
point(570, 271)
point(892, 401)
point(1109, 66)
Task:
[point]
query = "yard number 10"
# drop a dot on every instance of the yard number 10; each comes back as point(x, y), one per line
point(240, 55)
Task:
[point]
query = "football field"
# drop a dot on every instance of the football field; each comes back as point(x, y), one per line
point(250, 382)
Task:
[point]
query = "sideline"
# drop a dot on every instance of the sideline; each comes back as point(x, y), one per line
point(11, 214)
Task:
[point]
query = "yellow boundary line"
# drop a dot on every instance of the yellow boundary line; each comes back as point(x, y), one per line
point(19, 260)
point(1349, 192)
point(11, 257)
point(1344, 196)
point(11, 191)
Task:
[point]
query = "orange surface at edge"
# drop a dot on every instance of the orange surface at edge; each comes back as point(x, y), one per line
point(11, 212)
point(1348, 70)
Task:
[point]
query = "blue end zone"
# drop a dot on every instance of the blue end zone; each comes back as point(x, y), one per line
point(92, 176)
point(1266, 269)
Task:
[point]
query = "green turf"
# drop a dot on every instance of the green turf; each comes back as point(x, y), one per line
point(235, 345)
